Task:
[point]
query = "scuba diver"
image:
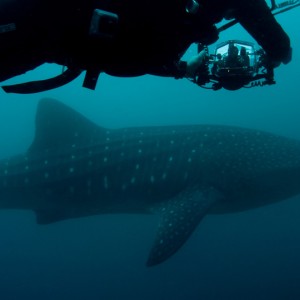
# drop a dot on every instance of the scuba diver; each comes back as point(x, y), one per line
point(233, 59)
point(244, 57)
point(124, 37)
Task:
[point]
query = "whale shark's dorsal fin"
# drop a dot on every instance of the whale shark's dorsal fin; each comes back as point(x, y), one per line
point(59, 125)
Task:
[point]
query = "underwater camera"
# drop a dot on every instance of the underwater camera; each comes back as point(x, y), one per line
point(235, 64)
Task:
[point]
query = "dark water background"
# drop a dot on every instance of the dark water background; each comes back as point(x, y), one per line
point(250, 255)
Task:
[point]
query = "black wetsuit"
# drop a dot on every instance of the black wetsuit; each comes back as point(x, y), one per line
point(150, 38)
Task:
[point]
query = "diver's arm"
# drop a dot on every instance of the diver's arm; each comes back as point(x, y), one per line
point(182, 69)
point(256, 17)
point(195, 63)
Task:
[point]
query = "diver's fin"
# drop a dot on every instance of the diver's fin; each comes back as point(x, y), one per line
point(38, 86)
point(180, 216)
point(58, 124)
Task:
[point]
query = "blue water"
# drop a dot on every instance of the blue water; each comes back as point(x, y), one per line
point(250, 255)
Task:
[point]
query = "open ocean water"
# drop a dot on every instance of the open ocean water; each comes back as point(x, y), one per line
point(242, 256)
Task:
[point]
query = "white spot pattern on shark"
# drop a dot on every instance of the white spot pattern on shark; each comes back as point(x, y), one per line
point(180, 172)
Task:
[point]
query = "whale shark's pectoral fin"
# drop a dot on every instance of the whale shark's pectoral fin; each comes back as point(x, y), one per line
point(180, 216)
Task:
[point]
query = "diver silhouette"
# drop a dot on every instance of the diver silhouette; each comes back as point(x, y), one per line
point(123, 37)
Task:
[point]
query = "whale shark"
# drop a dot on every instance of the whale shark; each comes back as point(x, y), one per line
point(75, 168)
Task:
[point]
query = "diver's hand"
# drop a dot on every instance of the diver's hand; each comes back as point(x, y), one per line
point(288, 57)
point(285, 59)
point(195, 63)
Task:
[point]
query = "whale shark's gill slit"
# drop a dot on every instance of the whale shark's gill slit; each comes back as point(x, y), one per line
point(105, 182)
